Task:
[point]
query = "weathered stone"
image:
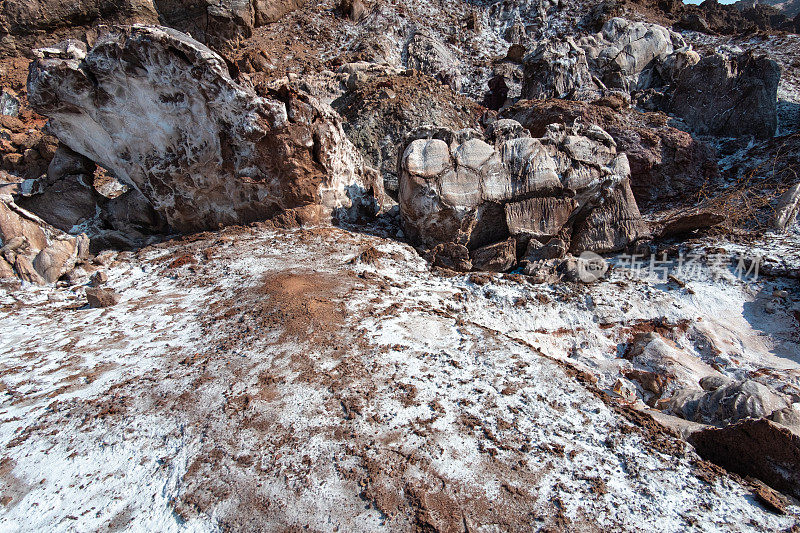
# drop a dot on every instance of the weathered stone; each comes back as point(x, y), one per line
point(630, 55)
point(473, 194)
point(728, 95)
point(757, 448)
point(451, 256)
point(428, 55)
point(99, 298)
point(131, 105)
point(666, 163)
point(557, 68)
point(727, 404)
point(498, 257)
point(612, 225)
point(539, 217)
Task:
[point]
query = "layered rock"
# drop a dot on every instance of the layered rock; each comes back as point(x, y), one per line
point(222, 23)
point(557, 68)
point(31, 249)
point(457, 188)
point(633, 55)
point(430, 56)
point(159, 110)
point(666, 163)
point(729, 95)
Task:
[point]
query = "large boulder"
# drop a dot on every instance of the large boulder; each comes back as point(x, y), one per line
point(455, 187)
point(632, 55)
point(159, 110)
point(728, 94)
point(666, 163)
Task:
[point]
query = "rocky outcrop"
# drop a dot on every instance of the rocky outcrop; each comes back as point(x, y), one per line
point(757, 448)
point(666, 163)
point(430, 56)
point(31, 249)
point(457, 188)
point(158, 110)
point(633, 56)
point(380, 109)
point(728, 95)
point(222, 24)
point(27, 23)
point(557, 68)
point(725, 402)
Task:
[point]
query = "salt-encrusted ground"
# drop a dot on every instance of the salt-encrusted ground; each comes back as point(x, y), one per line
point(264, 379)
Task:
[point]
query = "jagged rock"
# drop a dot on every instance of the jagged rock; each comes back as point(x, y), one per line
point(727, 404)
point(728, 95)
point(666, 163)
point(39, 252)
point(557, 68)
point(222, 23)
point(451, 256)
point(355, 10)
point(66, 196)
point(757, 448)
point(630, 55)
point(458, 188)
point(497, 257)
point(430, 56)
point(610, 226)
point(99, 297)
point(159, 110)
point(28, 22)
point(677, 369)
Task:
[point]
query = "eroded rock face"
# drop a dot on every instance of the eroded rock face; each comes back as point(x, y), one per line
point(726, 402)
point(222, 23)
point(34, 251)
point(728, 95)
point(159, 110)
point(456, 187)
point(432, 57)
point(632, 55)
point(557, 68)
point(757, 448)
point(666, 163)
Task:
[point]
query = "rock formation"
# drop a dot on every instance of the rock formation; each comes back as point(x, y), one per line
point(557, 69)
point(725, 402)
point(666, 163)
point(31, 249)
point(159, 110)
point(728, 94)
point(457, 188)
point(631, 55)
point(757, 448)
